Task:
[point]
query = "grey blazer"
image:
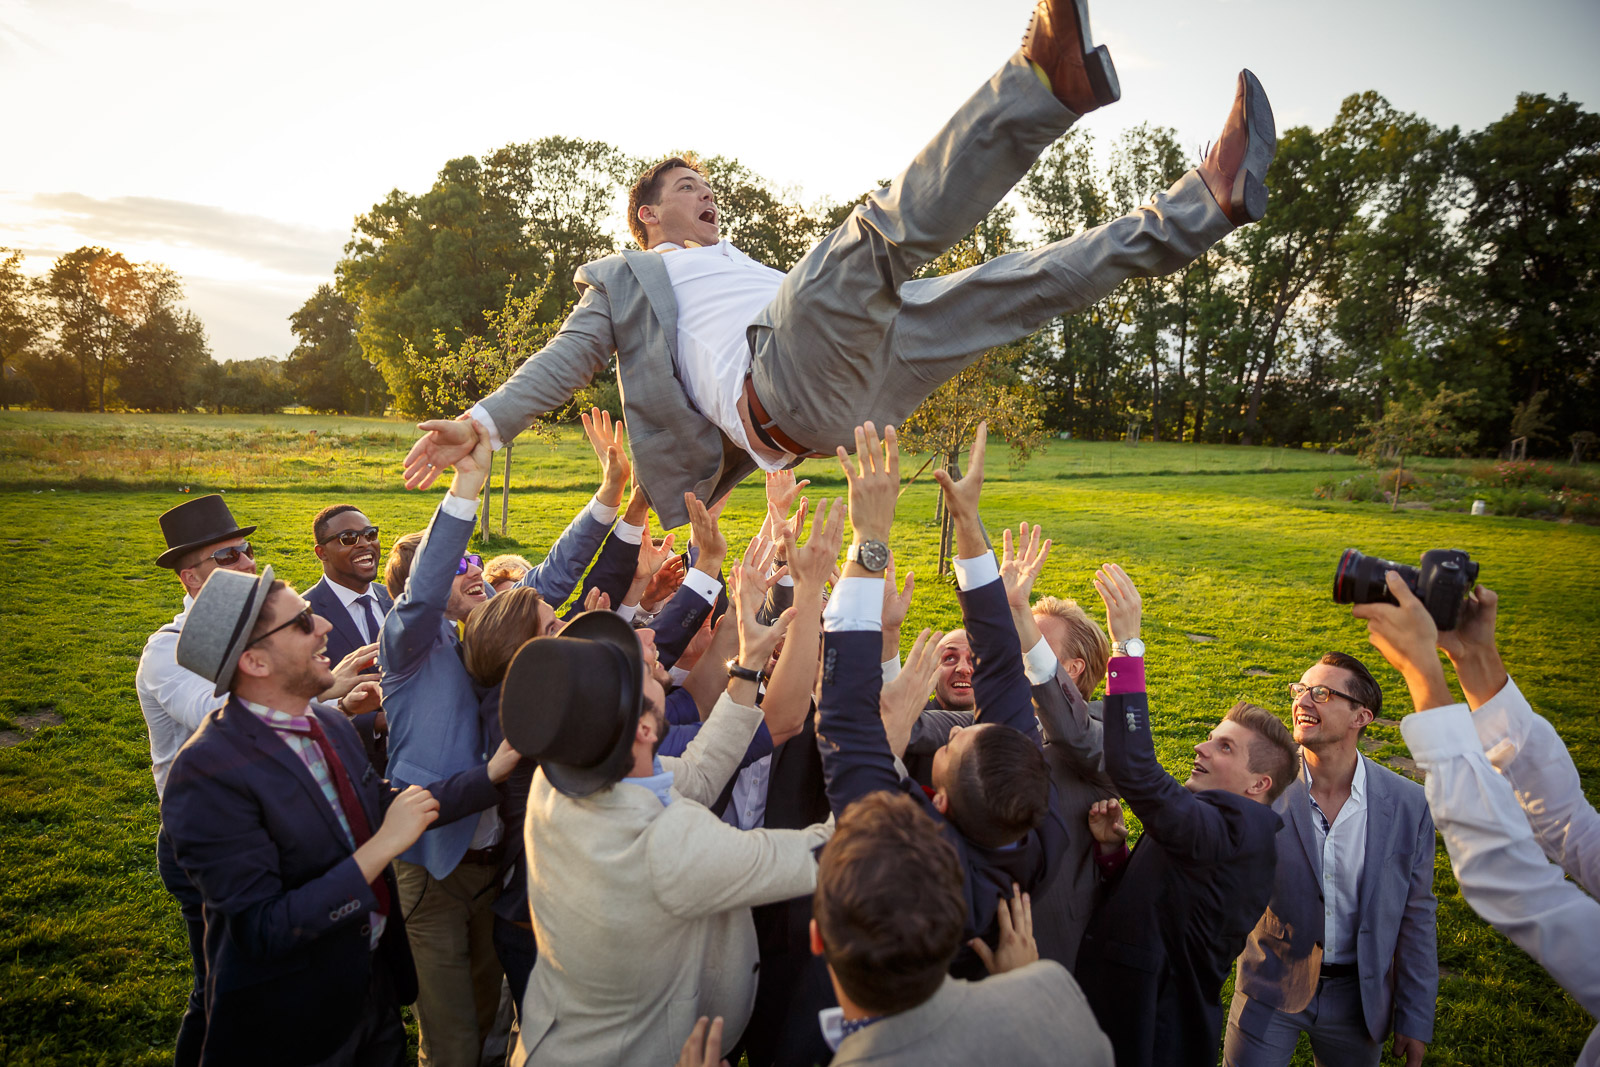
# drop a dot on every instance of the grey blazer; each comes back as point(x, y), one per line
point(1033, 1015)
point(1396, 950)
point(626, 306)
point(1073, 751)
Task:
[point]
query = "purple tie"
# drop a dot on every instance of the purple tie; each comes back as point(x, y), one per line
point(365, 600)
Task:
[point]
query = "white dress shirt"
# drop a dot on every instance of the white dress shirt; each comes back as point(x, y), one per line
point(1498, 860)
point(174, 699)
point(1343, 845)
point(347, 597)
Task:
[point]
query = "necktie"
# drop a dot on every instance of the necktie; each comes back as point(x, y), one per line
point(354, 813)
point(365, 600)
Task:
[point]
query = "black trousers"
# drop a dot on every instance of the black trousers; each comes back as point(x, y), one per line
point(192, 1031)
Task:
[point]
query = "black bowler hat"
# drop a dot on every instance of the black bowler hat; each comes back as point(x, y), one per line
point(572, 702)
point(205, 520)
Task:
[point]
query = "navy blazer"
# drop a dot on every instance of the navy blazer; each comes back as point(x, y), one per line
point(1163, 939)
point(344, 638)
point(287, 936)
point(856, 758)
point(612, 573)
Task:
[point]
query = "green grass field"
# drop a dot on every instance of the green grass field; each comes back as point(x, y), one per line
point(1228, 544)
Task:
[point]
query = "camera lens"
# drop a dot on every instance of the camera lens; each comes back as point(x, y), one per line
point(1359, 579)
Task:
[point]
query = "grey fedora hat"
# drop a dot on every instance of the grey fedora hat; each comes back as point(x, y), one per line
point(219, 624)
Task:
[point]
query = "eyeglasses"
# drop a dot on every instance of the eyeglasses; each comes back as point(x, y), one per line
point(349, 538)
point(467, 561)
point(1320, 694)
point(227, 557)
point(306, 620)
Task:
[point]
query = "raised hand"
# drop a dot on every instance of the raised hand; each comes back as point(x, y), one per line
point(749, 582)
point(896, 603)
point(596, 600)
point(653, 555)
point(1020, 564)
point(409, 814)
point(811, 564)
point(781, 492)
point(1121, 598)
point(1472, 649)
point(1407, 637)
point(1016, 947)
point(902, 699)
point(874, 482)
point(366, 696)
point(442, 444)
point(605, 437)
point(961, 498)
point(1107, 826)
point(705, 533)
point(663, 584)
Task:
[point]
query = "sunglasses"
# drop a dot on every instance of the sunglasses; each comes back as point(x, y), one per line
point(469, 560)
point(350, 538)
point(227, 557)
point(1320, 694)
point(306, 620)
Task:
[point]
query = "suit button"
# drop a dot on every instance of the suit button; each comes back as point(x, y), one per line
point(333, 916)
point(366, 928)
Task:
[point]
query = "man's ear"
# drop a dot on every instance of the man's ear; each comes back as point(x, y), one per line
point(645, 732)
point(648, 215)
point(1075, 668)
point(941, 803)
point(187, 577)
point(321, 551)
point(254, 664)
point(1360, 722)
point(1260, 787)
point(816, 939)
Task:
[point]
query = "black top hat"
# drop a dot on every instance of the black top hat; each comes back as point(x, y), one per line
point(572, 702)
point(205, 520)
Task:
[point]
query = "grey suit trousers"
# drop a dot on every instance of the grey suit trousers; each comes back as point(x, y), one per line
point(852, 335)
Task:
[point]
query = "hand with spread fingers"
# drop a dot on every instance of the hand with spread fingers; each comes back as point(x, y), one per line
point(350, 672)
point(705, 533)
point(663, 584)
point(811, 564)
point(961, 498)
point(1016, 947)
point(366, 696)
point(653, 555)
point(605, 437)
point(782, 489)
point(442, 444)
point(749, 582)
point(1020, 564)
point(1122, 601)
point(874, 479)
point(903, 697)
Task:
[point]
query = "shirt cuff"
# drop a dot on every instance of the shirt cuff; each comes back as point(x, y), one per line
point(977, 571)
point(626, 611)
point(891, 670)
point(786, 581)
point(628, 533)
point(482, 418)
point(1440, 733)
point(679, 675)
point(459, 507)
point(704, 584)
point(604, 514)
point(1039, 663)
point(1125, 674)
point(1493, 720)
point(856, 604)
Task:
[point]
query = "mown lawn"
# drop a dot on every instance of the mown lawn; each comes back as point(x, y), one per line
point(93, 967)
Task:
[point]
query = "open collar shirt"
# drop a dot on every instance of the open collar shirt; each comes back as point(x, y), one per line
point(1343, 846)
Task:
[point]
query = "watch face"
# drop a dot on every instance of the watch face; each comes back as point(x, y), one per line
point(1134, 648)
point(873, 555)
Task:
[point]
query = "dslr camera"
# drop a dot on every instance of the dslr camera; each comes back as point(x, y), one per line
point(1442, 581)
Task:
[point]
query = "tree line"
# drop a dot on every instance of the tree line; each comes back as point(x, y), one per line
point(1399, 263)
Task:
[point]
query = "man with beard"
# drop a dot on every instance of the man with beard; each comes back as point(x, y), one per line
point(1346, 950)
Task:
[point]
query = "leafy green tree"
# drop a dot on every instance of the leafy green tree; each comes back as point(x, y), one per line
point(326, 365)
point(1414, 423)
point(246, 386)
point(19, 329)
point(164, 361)
point(91, 296)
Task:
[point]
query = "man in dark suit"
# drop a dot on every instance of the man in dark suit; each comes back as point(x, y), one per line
point(1180, 907)
point(288, 835)
point(353, 601)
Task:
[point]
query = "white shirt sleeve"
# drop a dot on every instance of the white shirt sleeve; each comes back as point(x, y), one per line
point(626, 611)
point(1528, 752)
point(891, 670)
point(628, 533)
point(481, 417)
point(856, 604)
point(1497, 862)
point(703, 583)
point(604, 514)
point(977, 571)
point(1039, 663)
point(460, 507)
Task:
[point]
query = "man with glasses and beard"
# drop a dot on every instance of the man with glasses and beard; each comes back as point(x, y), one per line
point(353, 602)
point(1346, 949)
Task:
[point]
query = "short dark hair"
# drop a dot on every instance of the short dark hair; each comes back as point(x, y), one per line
point(319, 524)
point(263, 620)
point(890, 903)
point(398, 569)
point(495, 630)
point(1363, 686)
point(1273, 751)
point(1001, 788)
point(647, 190)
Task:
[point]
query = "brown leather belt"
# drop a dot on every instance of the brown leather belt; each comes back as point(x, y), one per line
point(767, 428)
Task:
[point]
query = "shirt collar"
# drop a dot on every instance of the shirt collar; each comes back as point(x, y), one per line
point(835, 1027)
point(347, 596)
point(659, 783)
point(280, 720)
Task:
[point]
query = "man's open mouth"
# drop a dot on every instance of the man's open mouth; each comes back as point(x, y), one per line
point(365, 559)
point(1197, 769)
point(475, 589)
point(709, 215)
point(1306, 718)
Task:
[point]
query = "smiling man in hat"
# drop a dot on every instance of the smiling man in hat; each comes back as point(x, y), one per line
point(288, 833)
point(640, 895)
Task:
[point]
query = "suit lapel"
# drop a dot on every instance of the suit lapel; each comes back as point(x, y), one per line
point(657, 285)
point(1298, 802)
point(326, 603)
point(1380, 830)
point(266, 741)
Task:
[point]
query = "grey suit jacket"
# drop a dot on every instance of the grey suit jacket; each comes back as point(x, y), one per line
point(626, 306)
point(1395, 942)
point(1033, 1015)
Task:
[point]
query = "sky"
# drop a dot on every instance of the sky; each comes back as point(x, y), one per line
point(235, 143)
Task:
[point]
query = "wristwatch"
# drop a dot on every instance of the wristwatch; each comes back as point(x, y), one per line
point(873, 555)
point(736, 671)
point(1133, 647)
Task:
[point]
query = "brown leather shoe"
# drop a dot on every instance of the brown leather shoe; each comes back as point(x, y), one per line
point(1235, 169)
point(1081, 74)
